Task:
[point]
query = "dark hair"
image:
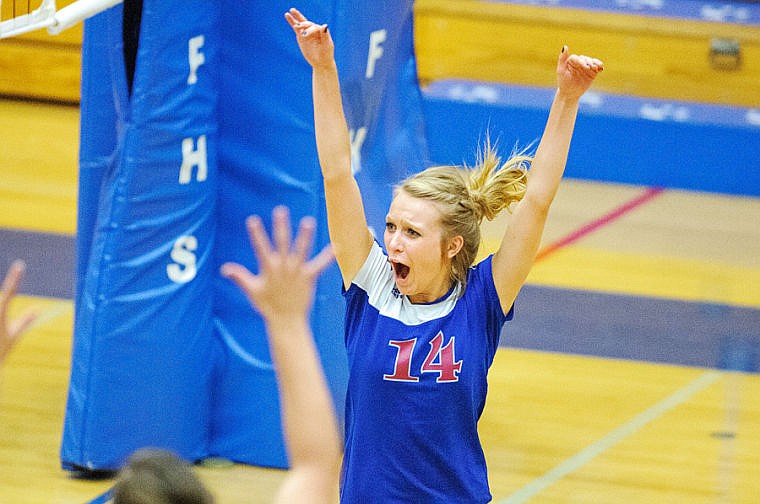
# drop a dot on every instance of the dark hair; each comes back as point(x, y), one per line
point(157, 476)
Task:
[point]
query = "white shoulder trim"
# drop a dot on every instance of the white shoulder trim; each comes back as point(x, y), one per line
point(376, 279)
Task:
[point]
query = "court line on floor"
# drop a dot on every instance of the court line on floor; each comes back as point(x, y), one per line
point(727, 459)
point(608, 218)
point(570, 465)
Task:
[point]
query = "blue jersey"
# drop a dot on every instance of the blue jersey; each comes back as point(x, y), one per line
point(416, 389)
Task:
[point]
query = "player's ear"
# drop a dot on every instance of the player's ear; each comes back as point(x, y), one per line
point(454, 246)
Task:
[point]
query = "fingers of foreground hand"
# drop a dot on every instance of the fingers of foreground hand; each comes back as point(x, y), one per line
point(305, 238)
point(12, 281)
point(321, 261)
point(281, 232)
point(240, 276)
point(262, 247)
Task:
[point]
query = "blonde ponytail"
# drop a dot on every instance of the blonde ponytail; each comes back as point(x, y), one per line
point(494, 186)
point(465, 195)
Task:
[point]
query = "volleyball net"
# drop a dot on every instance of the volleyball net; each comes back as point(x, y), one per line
point(22, 16)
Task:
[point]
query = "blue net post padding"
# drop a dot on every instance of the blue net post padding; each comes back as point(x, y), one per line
point(141, 365)
point(97, 117)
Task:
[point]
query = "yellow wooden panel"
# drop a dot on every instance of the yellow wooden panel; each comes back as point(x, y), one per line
point(38, 70)
point(39, 65)
point(11, 8)
point(489, 41)
point(644, 56)
point(71, 36)
point(38, 166)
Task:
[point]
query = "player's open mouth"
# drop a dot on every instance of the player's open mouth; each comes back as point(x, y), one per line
point(402, 270)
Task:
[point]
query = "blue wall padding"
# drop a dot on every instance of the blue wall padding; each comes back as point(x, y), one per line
point(186, 365)
point(141, 365)
point(622, 139)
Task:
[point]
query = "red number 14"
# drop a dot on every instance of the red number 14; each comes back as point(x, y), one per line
point(440, 359)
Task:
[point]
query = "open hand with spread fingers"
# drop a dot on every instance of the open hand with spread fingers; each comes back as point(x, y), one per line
point(284, 286)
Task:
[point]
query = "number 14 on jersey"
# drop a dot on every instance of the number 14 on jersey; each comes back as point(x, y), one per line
point(440, 359)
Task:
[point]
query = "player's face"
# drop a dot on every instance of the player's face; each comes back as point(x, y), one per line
point(413, 239)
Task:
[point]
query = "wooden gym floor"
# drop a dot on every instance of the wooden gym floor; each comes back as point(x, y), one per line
point(629, 374)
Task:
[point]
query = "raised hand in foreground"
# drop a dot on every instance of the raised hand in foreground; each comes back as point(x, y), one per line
point(283, 293)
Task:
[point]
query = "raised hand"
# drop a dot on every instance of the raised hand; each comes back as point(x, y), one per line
point(285, 284)
point(283, 292)
point(314, 40)
point(575, 73)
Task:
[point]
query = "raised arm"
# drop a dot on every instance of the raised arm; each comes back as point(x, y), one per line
point(10, 332)
point(516, 254)
point(283, 293)
point(347, 223)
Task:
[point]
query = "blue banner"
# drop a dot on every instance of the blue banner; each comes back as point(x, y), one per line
point(624, 139)
point(743, 12)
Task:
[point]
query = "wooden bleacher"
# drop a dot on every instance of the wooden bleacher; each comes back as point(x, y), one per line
point(40, 66)
point(490, 41)
point(646, 56)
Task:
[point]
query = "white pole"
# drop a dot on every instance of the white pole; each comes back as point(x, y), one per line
point(78, 11)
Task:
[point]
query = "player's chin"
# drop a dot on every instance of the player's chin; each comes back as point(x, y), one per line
point(403, 286)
